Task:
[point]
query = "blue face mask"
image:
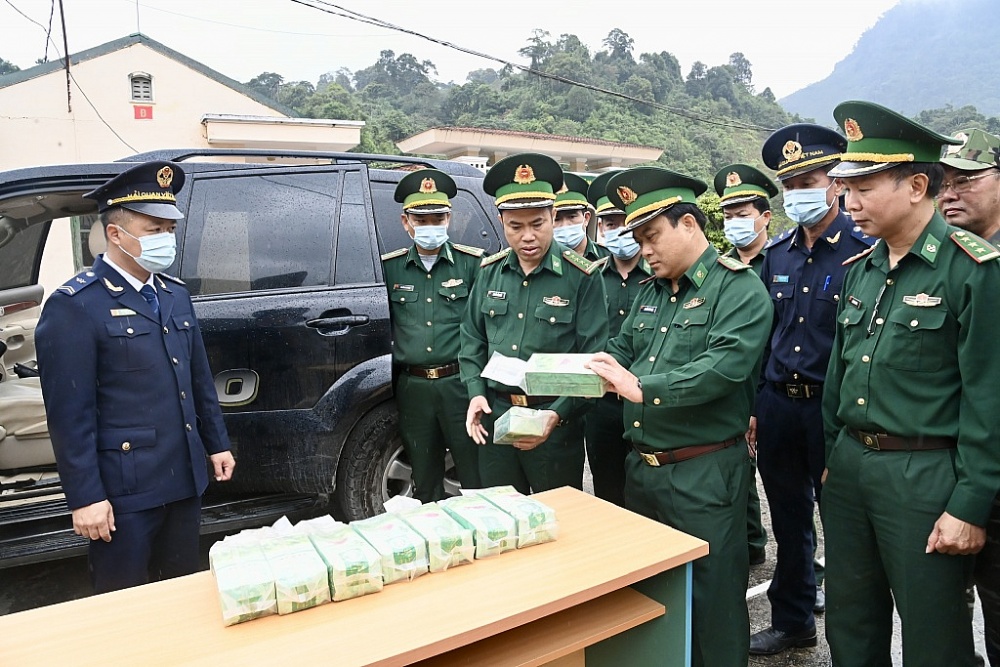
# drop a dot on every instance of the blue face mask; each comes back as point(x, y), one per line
point(158, 250)
point(621, 245)
point(570, 236)
point(741, 232)
point(807, 207)
point(430, 237)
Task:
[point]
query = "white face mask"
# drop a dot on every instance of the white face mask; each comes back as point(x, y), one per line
point(621, 244)
point(806, 207)
point(158, 250)
point(570, 235)
point(741, 232)
point(430, 237)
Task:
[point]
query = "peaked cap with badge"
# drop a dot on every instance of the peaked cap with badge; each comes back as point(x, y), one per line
point(879, 139)
point(525, 180)
point(800, 148)
point(645, 192)
point(426, 191)
point(572, 196)
point(598, 197)
point(741, 183)
point(979, 150)
point(149, 188)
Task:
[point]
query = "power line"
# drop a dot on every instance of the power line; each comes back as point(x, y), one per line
point(336, 10)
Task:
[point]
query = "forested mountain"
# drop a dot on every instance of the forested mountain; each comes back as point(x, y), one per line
point(921, 54)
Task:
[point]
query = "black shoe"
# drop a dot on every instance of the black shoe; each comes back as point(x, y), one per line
point(771, 641)
point(820, 605)
point(757, 556)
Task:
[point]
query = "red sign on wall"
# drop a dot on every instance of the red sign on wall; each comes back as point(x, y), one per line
point(144, 112)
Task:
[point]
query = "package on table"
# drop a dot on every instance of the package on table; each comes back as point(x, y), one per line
point(300, 575)
point(536, 522)
point(493, 529)
point(244, 579)
point(449, 543)
point(402, 550)
point(353, 566)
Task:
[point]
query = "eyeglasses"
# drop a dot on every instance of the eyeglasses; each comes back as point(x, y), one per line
point(871, 322)
point(962, 184)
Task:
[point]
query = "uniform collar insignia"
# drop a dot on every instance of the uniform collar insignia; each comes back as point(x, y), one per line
point(693, 303)
point(113, 288)
point(930, 248)
point(922, 300)
point(699, 274)
point(835, 238)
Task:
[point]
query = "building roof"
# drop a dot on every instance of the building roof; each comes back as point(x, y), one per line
point(20, 76)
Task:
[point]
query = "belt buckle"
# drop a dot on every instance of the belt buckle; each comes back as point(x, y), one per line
point(519, 399)
point(431, 373)
point(793, 390)
point(870, 440)
point(650, 459)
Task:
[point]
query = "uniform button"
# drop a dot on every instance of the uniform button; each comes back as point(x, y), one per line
point(642, 325)
point(846, 320)
point(126, 446)
point(663, 330)
point(130, 330)
point(686, 321)
point(187, 427)
point(166, 330)
point(836, 297)
point(866, 358)
point(429, 349)
point(914, 323)
point(184, 395)
point(513, 347)
point(429, 299)
point(652, 358)
point(880, 321)
point(636, 424)
point(624, 285)
point(795, 376)
point(809, 261)
point(429, 324)
point(621, 312)
point(174, 359)
point(186, 323)
point(805, 289)
point(778, 295)
point(801, 320)
point(402, 299)
point(520, 316)
point(656, 401)
point(524, 284)
point(90, 274)
point(861, 401)
point(797, 348)
point(428, 276)
point(491, 312)
point(888, 281)
point(552, 320)
point(673, 299)
point(453, 295)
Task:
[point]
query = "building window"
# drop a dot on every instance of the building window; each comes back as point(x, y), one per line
point(142, 87)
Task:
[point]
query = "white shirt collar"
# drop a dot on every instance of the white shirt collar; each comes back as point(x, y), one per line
point(132, 280)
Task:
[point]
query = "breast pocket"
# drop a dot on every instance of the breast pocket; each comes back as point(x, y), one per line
point(558, 317)
point(687, 336)
point(824, 310)
point(183, 327)
point(127, 459)
point(495, 315)
point(452, 302)
point(404, 305)
point(132, 345)
point(781, 296)
point(914, 339)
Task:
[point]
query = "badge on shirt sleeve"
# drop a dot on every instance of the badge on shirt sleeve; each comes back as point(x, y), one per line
point(922, 300)
point(122, 312)
point(647, 309)
point(693, 303)
point(555, 301)
point(493, 294)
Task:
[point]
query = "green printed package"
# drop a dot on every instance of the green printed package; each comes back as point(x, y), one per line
point(401, 549)
point(244, 580)
point(300, 579)
point(562, 375)
point(536, 521)
point(353, 566)
point(493, 529)
point(518, 423)
point(449, 543)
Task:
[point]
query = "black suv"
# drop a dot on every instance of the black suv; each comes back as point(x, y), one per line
point(282, 260)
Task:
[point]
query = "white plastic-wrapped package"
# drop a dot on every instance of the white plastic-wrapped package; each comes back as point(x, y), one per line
point(300, 577)
point(492, 528)
point(353, 566)
point(244, 579)
point(449, 543)
point(401, 549)
point(536, 521)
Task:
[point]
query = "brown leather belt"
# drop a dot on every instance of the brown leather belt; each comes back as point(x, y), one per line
point(896, 443)
point(656, 459)
point(525, 401)
point(433, 372)
point(796, 390)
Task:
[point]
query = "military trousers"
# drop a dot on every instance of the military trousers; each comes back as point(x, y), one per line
point(705, 497)
point(432, 422)
point(790, 453)
point(878, 510)
point(604, 432)
point(556, 462)
point(756, 533)
point(987, 576)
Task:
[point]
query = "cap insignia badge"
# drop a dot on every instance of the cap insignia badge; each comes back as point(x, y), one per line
point(165, 177)
point(428, 186)
point(792, 150)
point(524, 175)
point(562, 189)
point(627, 194)
point(733, 179)
point(853, 130)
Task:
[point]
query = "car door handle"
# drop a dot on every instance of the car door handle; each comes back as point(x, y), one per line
point(337, 326)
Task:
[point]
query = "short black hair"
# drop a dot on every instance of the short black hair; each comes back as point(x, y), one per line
point(111, 216)
point(761, 204)
point(933, 170)
point(678, 211)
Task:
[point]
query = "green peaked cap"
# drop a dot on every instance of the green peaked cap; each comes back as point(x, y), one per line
point(879, 139)
point(525, 180)
point(740, 183)
point(573, 195)
point(598, 197)
point(979, 150)
point(426, 191)
point(644, 192)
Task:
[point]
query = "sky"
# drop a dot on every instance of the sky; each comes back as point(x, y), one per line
point(790, 43)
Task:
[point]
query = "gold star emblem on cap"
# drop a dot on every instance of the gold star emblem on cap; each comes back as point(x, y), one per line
point(524, 175)
point(165, 177)
point(627, 194)
point(792, 150)
point(853, 130)
point(733, 179)
point(428, 186)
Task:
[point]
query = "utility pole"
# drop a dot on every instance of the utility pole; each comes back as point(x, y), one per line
point(62, 17)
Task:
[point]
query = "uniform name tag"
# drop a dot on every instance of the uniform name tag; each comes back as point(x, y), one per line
point(496, 295)
point(122, 312)
point(922, 300)
point(854, 301)
point(779, 279)
point(555, 301)
point(403, 288)
point(647, 309)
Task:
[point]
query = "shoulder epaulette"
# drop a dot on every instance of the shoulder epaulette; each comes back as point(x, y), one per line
point(173, 279)
point(468, 249)
point(861, 236)
point(784, 236)
point(395, 253)
point(647, 280)
point(495, 257)
point(581, 262)
point(732, 264)
point(81, 280)
point(863, 253)
point(602, 263)
point(975, 247)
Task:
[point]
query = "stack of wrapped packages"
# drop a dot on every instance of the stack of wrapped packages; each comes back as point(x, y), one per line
point(285, 568)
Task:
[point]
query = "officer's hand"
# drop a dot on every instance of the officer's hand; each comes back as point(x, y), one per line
point(224, 464)
point(955, 537)
point(477, 406)
point(552, 421)
point(752, 437)
point(822, 479)
point(96, 521)
point(618, 377)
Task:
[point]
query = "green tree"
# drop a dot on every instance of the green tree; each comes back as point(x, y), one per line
point(7, 67)
point(538, 49)
point(619, 45)
point(742, 71)
point(267, 84)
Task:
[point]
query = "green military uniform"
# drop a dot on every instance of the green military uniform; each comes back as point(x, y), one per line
point(908, 360)
point(697, 355)
point(756, 262)
point(426, 307)
point(558, 307)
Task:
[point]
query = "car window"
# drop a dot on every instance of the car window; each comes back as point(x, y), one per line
point(469, 223)
point(19, 252)
point(260, 232)
point(354, 238)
